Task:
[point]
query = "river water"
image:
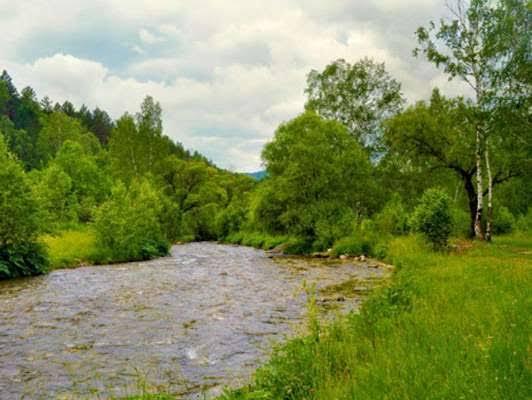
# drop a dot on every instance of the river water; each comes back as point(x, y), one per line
point(190, 323)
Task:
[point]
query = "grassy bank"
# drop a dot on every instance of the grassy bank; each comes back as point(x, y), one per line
point(78, 246)
point(71, 248)
point(450, 326)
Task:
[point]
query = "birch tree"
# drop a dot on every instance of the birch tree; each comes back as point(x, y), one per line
point(478, 45)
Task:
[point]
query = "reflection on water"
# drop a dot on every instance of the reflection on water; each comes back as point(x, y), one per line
point(201, 318)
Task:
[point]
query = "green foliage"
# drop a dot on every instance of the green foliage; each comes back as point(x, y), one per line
point(319, 177)
point(366, 239)
point(52, 188)
point(72, 248)
point(18, 208)
point(503, 221)
point(524, 223)
point(137, 146)
point(351, 246)
point(22, 259)
point(128, 225)
point(20, 255)
point(90, 183)
point(432, 217)
point(57, 128)
point(360, 96)
point(393, 218)
point(413, 333)
point(231, 219)
point(461, 222)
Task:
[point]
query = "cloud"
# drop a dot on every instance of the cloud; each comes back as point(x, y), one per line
point(150, 38)
point(226, 73)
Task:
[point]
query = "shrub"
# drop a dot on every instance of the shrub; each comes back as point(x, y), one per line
point(296, 245)
point(393, 218)
point(20, 255)
point(230, 219)
point(128, 226)
point(503, 221)
point(524, 223)
point(432, 217)
point(461, 222)
point(335, 222)
point(22, 259)
point(351, 246)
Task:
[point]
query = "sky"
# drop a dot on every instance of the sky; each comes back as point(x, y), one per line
point(226, 72)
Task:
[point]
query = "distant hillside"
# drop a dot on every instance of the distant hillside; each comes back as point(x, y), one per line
point(259, 175)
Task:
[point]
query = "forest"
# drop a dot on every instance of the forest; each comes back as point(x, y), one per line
point(360, 171)
point(357, 166)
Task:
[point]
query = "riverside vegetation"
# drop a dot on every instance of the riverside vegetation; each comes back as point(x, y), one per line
point(358, 172)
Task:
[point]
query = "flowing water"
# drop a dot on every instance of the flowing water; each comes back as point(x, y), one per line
point(195, 321)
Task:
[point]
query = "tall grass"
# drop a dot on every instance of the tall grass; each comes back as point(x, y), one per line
point(450, 326)
point(71, 248)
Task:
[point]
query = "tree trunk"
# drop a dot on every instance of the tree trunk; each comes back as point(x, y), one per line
point(489, 218)
point(472, 201)
point(479, 234)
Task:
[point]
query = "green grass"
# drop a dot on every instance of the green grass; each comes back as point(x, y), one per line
point(257, 239)
point(449, 326)
point(71, 248)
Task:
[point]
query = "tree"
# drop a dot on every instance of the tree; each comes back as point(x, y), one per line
point(125, 149)
point(150, 128)
point(19, 224)
point(10, 96)
point(101, 125)
point(90, 184)
point(319, 177)
point(57, 128)
point(98, 122)
point(486, 45)
point(440, 135)
point(129, 224)
point(360, 96)
point(137, 146)
point(52, 188)
point(432, 217)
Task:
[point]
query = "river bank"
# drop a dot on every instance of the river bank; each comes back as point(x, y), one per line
point(450, 326)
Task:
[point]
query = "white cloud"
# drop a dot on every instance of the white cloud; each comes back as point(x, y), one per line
point(148, 37)
point(226, 73)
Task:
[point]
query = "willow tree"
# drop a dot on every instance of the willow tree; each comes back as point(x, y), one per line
point(480, 44)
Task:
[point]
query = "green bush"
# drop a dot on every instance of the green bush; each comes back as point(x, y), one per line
point(128, 225)
point(22, 259)
point(351, 246)
point(335, 222)
point(503, 221)
point(461, 221)
point(432, 217)
point(393, 218)
point(230, 219)
point(20, 255)
point(524, 223)
point(296, 245)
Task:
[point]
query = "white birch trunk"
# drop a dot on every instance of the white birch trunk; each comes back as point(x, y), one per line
point(490, 194)
point(479, 234)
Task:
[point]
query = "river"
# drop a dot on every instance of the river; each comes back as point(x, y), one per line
point(195, 321)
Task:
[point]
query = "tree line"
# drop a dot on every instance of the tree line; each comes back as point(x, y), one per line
point(356, 166)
